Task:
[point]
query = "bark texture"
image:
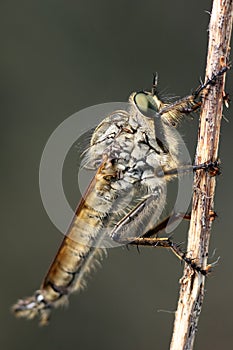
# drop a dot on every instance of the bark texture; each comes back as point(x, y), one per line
point(192, 284)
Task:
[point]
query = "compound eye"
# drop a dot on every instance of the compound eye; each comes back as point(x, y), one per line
point(146, 105)
point(141, 101)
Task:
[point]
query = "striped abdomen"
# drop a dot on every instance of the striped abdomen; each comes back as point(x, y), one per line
point(77, 253)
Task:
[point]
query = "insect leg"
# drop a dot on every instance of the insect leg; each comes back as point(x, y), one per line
point(150, 239)
point(171, 219)
point(166, 242)
point(212, 167)
point(164, 223)
point(210, 81)
point(190, 103)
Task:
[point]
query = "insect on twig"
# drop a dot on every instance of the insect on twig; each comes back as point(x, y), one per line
point(134, 153)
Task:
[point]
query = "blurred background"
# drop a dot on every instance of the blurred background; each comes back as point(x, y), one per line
point(58, 57)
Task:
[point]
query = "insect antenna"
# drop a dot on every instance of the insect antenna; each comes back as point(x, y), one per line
point(154, 83)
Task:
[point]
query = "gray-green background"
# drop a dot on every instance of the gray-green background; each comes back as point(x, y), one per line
point(58, 57)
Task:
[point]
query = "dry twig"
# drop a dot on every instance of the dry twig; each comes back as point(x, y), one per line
point(192, 284)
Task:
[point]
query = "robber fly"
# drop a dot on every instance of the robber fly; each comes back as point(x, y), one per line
point(134, 153)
